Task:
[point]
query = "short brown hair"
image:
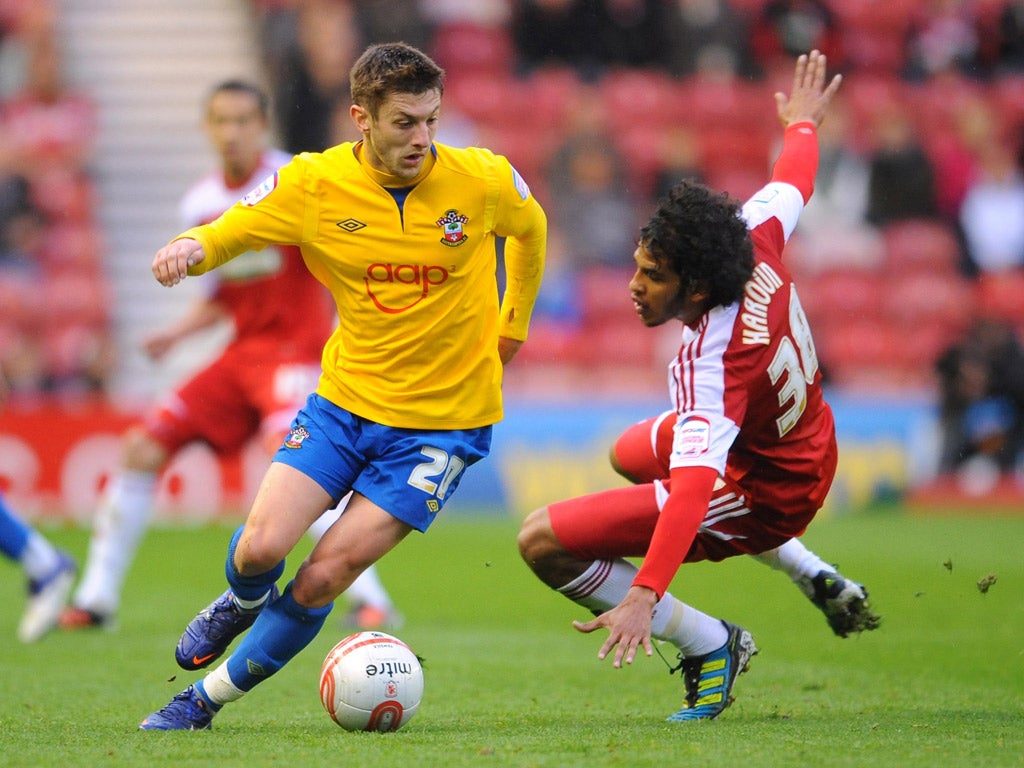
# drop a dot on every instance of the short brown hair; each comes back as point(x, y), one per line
point(244, 87)
point(388, 68)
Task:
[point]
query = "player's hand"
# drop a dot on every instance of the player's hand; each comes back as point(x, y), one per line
point(628, 625)
point(507, 349)
point(171, 263)
point(158, 345)
point(810, 97)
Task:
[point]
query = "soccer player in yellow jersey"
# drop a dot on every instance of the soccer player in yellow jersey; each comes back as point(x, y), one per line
point(402, 231)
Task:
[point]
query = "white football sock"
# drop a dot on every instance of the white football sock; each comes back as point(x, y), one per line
point(218, 688)
point(694, 633)
point(122, 517)
point(602, 586)
point(794, 559)
point(605, 583)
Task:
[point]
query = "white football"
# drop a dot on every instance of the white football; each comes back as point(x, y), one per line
point(371, 681)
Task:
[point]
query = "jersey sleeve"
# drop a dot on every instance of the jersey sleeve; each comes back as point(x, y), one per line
point(522, 221)
point(798, 162)
point(275, 212)
point(791, 185)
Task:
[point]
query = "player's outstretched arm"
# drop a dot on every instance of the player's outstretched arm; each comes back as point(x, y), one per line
point(810, 96)
point(171, 263)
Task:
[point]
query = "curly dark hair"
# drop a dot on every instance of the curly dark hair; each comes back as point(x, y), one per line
point(701, 237)
point(388, 68)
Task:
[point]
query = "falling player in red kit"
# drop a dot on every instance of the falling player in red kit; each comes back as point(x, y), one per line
point(753, 449)
point(281, 317)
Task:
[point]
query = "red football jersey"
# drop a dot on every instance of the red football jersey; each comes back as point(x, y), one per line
point(745, 383)
point(273, 299)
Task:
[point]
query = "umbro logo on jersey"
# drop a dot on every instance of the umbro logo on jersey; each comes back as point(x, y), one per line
point(350, 225)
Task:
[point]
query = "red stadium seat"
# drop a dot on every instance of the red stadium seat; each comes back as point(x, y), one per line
point(73, 246)
point(740, 183)
point(605, 296)
point(472, 48)
point(73, 296)
point(725, 149)
point(712, 103)
point(641, 145)
point(491, 100)
point(872, 353)
point(640, 97)
point(1001, 296)
point(842, 295)
point(1007, 93)
point(551, 92)
point(915, 300)
point(921, 244)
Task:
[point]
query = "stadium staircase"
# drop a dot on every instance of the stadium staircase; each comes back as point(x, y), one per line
point(148, 64)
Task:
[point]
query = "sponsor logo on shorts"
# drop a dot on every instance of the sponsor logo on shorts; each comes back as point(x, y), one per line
point(296, 437)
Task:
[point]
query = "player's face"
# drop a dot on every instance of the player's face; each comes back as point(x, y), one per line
point(658, 294)
point(397, 140)
point(236, 129)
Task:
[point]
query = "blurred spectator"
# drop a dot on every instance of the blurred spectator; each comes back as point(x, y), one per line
point(901, 182)
point(943, 37)
point(21, 312)
point(309, 47)
point(708, 35)
point(47, 131)
point(955, 148)
point(45, 123)
point(1009, 39)
point(785, 29)
point(590, 203)
point(410, 21)
point(632, 33)
point(834, 230)
point(982, 403)
point(559, 303)
point(22, 22)
point(557, 33)
point(992, 213)
point(679, 158)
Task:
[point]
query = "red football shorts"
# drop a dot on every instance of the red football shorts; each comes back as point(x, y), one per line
point(741, 518)
point(237, 397)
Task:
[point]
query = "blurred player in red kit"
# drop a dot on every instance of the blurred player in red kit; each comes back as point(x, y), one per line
point(748, 452)
point(281, 317)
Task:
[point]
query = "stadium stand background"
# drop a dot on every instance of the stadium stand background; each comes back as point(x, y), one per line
point(882, 313)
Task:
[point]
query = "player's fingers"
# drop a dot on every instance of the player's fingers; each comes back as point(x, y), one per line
point(630, 652)
point(816, 70)
point(833, 86)
point(799, 70)
point(586, 626)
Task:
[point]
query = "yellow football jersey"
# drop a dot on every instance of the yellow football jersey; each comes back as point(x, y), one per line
point(415, 286)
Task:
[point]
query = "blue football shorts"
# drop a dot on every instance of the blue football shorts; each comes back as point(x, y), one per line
point(410, 473)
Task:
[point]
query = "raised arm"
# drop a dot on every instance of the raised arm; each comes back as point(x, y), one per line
point(809, 97)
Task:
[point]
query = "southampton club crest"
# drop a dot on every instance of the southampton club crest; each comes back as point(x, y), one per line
point(296, 437)
point(451, 223)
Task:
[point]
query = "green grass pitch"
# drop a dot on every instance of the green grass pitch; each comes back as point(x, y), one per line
point(510, 683)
